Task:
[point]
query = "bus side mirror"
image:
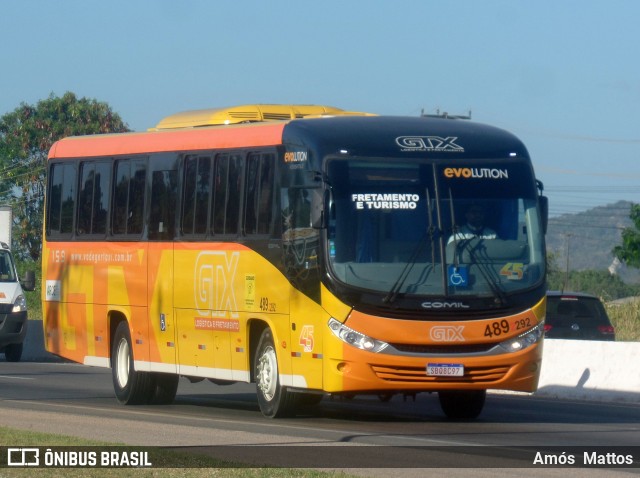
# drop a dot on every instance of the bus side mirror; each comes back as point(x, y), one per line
point(29, 281)
point(544, 211)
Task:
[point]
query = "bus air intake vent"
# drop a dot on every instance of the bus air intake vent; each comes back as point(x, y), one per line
point(248, 115)
point(276, 116)
point(444, 349)
point(407, 375)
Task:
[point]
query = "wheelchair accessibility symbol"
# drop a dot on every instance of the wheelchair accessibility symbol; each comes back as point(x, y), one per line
point(458, 276)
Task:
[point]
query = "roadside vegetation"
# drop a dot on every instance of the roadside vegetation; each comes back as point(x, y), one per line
point(174, 464)
point(626, 320)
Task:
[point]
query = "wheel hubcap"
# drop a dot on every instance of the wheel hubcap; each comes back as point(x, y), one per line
point(122, 363)
point(267, 376)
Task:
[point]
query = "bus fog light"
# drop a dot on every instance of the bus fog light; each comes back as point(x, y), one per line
point(343, 367)
point(354, 338)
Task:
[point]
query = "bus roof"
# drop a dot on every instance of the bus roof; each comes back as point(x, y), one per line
point(358, 133)
point(246, 114)
point(234, 127)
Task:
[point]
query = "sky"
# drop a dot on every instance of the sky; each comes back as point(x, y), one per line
point(562, 75)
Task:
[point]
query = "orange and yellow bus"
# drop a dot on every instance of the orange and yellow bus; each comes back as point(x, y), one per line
point(307, 249)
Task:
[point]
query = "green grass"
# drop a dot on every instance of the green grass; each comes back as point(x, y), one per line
point(166, 462)
point(626, 320)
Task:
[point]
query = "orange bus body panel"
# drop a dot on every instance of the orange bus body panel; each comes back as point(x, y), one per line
point(237, 136)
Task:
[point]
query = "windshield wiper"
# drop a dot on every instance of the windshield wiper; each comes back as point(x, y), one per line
point(393, 293)
point(430, 234)
point(487, 271)
point(465, 244)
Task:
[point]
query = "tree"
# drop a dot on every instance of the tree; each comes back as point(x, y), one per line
point(629, 251)
point(26, 135)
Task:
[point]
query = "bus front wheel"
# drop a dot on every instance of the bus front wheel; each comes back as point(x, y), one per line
point(274, 399)
point(462, 404)
point(131, 387)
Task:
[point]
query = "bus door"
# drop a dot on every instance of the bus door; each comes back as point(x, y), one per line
point(301, 249)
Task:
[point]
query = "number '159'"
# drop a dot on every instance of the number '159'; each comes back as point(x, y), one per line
point(58, 255)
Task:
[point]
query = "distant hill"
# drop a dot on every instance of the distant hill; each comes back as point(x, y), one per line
point(589, 237)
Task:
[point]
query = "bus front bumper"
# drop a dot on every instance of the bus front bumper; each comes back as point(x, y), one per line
point(360, 371)
point(13, 328)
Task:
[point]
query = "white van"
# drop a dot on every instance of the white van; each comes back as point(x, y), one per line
point(13, 304)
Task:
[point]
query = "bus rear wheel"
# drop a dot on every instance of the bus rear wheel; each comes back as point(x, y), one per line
point(131, 387)
point(164, 389)
point(462, 404)
point(274, 399)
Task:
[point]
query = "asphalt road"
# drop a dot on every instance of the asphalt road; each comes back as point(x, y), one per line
point(71, 399)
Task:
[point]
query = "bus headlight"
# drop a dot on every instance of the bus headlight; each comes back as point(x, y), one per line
point(355, 338)
point(20, 305)
point(525, 340)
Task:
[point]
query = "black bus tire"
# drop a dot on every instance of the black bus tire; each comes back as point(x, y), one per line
point(165, 388)
point(462, 404)
point(274, 399)
point(131, 387)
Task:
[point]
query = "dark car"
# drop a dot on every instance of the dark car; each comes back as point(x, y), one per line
point(575, 315)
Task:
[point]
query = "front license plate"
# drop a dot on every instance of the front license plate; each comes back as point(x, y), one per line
point(445, 370)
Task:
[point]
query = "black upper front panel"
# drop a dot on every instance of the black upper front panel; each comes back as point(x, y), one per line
point(377, 136)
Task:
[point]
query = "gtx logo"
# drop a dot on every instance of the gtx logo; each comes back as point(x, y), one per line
point(447, 333)
point(214, 278)
point(429, 143)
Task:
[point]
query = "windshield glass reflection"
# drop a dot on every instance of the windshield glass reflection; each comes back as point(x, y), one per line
point(401, 227)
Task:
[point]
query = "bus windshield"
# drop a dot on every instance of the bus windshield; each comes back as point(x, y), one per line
point(403, 227)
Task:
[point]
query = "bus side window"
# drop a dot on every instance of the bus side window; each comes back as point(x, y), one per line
point(163, 205)
point(61, 199)
point(93, 198)
point(297, 208)
point(197, 194)
point(227, 187)
point(259, 197)
point(129, 197)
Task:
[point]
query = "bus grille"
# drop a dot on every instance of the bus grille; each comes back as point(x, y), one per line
point(444, 349)
point(419, 374)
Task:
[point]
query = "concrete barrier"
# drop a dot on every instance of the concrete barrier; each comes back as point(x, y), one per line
point(590, 370)
point(572, 369)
